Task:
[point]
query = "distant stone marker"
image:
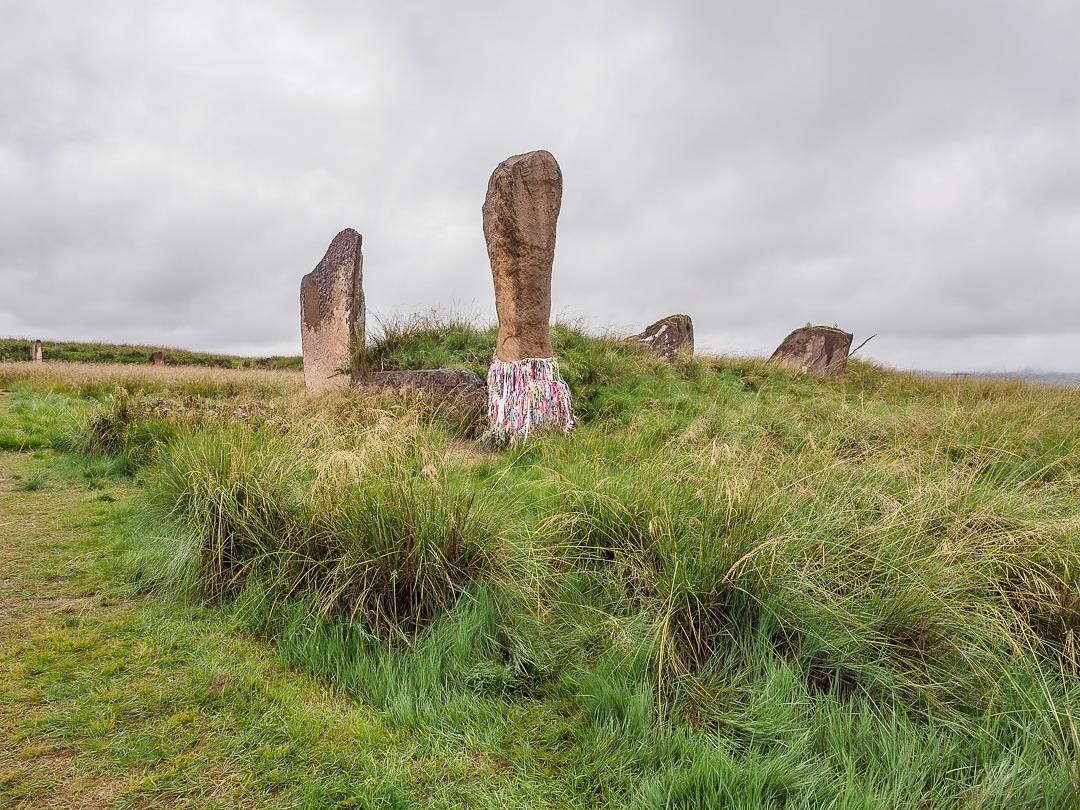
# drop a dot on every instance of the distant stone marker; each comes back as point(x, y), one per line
point(525, 389)
point(669, 337)
point(332, 315)
point(158, 358)
point(36, 352)
point(820, 351)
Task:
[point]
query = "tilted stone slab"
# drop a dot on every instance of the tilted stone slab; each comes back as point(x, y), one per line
point(459, 389)
point(332, 315)
point(669, 337)
point(444, 383)
point(820, 351)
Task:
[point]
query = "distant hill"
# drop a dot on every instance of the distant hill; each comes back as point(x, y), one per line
point(1055, 377)
point(1033, 375)
point(14, 349)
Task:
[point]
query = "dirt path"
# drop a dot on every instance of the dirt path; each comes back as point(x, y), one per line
point(44, 560)
point(113, 699)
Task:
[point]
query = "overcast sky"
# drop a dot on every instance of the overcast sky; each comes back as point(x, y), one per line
point(169, 171)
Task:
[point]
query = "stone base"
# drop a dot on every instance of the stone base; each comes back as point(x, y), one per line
point(527, 395)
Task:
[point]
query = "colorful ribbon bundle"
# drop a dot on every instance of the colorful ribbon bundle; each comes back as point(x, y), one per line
point(524, 395)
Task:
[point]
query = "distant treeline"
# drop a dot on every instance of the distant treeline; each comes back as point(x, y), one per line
point(13, 349)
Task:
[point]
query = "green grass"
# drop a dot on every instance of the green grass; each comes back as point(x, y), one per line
point(109, 699)
point(16, 349)
point(732, 586)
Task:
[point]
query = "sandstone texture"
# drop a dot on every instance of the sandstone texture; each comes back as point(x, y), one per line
point(669, 337)
point(523, 199)
point(36, 352)
point(158, 358)
point(820, 351)
point(332, 315)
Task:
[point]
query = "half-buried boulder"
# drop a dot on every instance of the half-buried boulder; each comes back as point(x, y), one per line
point(669, 337)
point(458, 385)
point(332, 315)
point(820, 351)
point(458, 392)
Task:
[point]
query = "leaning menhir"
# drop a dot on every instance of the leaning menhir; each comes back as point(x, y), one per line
point(525, 390)
point(668, 338)
point(820, 351)
point(332, 315)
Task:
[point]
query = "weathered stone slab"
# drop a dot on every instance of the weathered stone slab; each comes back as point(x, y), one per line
point(820, 351)
point(158, 358)
point(524, 196)
point(37, 352)
point(332, 315)
point(459, 387)
point(669, 337)
point(445, 382)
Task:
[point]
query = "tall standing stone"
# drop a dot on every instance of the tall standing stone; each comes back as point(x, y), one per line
point(332, 315)
point(525, 389)
point(820, 351)
point(524, 196)
point(158, 358)
point(36, 352)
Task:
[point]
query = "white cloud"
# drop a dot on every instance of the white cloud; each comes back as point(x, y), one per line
point(168, 172)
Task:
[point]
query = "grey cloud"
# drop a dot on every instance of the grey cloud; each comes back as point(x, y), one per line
point(168, 172)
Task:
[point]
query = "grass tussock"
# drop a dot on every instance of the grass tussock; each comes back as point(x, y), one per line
point(747, 587)
point(366, 514)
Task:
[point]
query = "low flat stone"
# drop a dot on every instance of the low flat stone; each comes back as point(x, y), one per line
point(820, 351)
point(668, 337)
point(458, 386)
point(332, 315)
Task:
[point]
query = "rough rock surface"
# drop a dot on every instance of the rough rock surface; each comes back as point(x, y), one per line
point(158, 358)
point(459, 386)
point(332, 314)
point(36, 352)
point(820, 351)
point(669, 337)
point(524, 196)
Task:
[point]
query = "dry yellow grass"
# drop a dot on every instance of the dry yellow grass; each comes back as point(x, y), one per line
point(86, 377)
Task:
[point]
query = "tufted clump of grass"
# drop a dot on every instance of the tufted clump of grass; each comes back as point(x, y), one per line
point(365, 515)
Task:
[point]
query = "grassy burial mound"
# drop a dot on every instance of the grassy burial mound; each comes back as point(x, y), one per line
point(734, 585)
